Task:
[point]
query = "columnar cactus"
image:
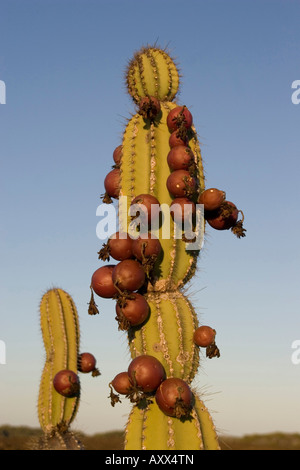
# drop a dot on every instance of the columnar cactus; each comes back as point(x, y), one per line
point(59, 392)
point(159, 163)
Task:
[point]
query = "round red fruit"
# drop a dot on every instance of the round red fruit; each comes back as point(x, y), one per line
point(147, 206)
point(135, 310)
point(181, 184)
point(177, 139)
point(128, 275)
point(212, 199)
point(86, 363)
point(66, 383)
point(102, 281)
point(204, 336)
point(146, 372)
point(146, 246)
point(120, 246)
point(179, 117)
point(224, 218)
point(174, 397)
point(112, 183)
point(121, 383)
point(117, 155)
point(180, 158)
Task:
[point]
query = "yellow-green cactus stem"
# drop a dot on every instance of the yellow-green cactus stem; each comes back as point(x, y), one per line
point(151, 429)
point(168, 334)
point(60, 331)
point(152, 72)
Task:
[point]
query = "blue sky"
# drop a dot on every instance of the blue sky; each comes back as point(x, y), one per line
point(66, 108)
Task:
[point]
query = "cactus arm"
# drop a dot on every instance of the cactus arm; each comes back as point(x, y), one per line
point(60, 330)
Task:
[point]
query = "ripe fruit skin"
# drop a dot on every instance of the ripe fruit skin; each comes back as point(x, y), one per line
point(180, 158)
point(128, 275)
point(102, 282)
point(135, 310)
point(117, 155)
point(176, 139)
point(149, 207)
point(220, 220)
point(174, 397)
point(146, 246)
point(179, 117)
point(182, 209)
point(180, 183)
point(204, 336)
point(112, 183)
point(212, 199)
point(120, 246)
point(86, 363)
point(66, 383)
point(146, 372)
point(121, 383)
point(149, 107)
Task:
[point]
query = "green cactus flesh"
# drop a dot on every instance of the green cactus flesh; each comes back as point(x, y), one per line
point(167, 334)
point(60, 330)
point(151, 429)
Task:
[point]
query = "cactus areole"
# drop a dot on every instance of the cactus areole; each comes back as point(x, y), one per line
point(150, 167)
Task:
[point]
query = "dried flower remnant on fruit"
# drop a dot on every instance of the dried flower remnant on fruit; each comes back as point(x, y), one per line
point(93, 308)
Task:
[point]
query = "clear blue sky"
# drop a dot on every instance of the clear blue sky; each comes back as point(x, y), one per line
point(66, 108)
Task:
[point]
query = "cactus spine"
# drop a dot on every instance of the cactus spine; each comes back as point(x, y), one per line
point(168, 332)
point(60, 329)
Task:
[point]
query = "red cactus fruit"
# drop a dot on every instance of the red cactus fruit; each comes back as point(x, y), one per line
point(174, 397)
point(212, 199)
point(102, 281)
point(66, 383)
point(181, 184)
point(180, 157)
point(128, 275)
point(179, 117)
point(146, 373)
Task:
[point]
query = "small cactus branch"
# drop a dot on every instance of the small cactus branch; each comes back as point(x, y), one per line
point(60, 330)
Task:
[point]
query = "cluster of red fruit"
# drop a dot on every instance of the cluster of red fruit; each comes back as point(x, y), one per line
point(182, 182)
point(146, 377)
point(220, 213)
point(66, 382)
point(126, 280)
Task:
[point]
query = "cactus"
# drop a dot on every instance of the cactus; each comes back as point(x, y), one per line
point(167, 334)
point(60, 329)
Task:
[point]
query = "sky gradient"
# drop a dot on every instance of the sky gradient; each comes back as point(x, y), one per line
point(66, 108)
